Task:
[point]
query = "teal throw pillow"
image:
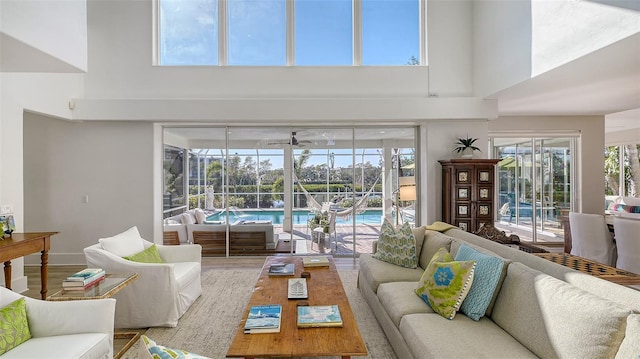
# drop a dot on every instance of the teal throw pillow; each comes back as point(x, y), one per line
point(445, 283)
point(14, 328)
point(397, 247)
point(149, 255)
point(155, 351)
point(486, 277)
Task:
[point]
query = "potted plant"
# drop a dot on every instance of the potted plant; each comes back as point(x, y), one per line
point(465, 147)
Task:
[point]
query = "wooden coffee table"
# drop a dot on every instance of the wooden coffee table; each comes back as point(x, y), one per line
point(325, 288)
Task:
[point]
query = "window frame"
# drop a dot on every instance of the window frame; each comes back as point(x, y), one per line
point(223, 46)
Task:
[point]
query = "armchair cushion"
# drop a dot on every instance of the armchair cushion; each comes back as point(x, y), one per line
point(14, 328)
point(126, 243)
point(149, 255)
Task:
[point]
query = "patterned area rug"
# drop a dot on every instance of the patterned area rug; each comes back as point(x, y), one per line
point(209, 325)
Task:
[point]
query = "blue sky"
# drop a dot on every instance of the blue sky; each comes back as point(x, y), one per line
point(257, 32)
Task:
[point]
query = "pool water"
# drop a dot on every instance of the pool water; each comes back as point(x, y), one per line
point(370, 216)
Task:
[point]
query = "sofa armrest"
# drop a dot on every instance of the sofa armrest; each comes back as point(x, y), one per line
point(374, 247)
point(48, 319)
point(181, 253)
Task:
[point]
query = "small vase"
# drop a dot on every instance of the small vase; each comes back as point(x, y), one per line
point(467, 153)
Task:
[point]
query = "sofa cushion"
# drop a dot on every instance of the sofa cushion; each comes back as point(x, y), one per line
point(561, 320)
point(376, 272)
point(149, 255)
point(397, 246)
point(630, 347)
point(399, 299)
point(77, 346)
point(126, 243)
point(200, 216)
point(486, 278)
point(14, 328)
point(418, 234)
point(187, 218)
point(149, 349)
point(433, 241)
point(445, 284)
point(431, 336)
point(442, 255)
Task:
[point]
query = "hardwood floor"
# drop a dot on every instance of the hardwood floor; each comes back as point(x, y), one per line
point(58, 273)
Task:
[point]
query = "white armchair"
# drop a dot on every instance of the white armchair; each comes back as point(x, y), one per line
point(63, 330)
point(163, 291)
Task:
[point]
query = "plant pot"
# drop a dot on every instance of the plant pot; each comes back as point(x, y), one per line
point(467, 153)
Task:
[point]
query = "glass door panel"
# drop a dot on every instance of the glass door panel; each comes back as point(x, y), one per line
point(534, 185)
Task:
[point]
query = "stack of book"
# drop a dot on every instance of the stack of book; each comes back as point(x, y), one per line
point(263, 319)
point(84, 279)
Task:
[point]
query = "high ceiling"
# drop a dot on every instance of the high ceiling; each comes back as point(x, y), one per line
point(605, 82)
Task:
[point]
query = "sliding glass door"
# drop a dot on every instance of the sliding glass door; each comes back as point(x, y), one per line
point(535, 187)
point(318, 190)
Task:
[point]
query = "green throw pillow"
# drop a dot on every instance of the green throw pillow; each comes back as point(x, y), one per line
point(149, 255)
point(397, 247)
point(445, 283)
point(156, 351)
point(14, 328)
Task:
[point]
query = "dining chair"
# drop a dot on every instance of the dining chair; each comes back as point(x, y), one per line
point(627, 232)
point(591, 239)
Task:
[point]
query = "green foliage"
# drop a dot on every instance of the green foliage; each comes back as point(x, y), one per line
point(464, 143)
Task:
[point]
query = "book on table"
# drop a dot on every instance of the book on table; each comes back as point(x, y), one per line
point(76, 285)
point(263, 319)
point(315, 261)
point(85, 273)
point(84, 280)
point(319, 316)
point(282, 269)
point(297, 288)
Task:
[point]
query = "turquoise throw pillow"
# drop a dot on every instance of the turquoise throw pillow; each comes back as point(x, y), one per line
point(397, 247)
point(156, 351)
point(14, 328)
point(485, 281)
point(149, 255)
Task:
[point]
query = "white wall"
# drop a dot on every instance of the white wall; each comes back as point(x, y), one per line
point(46, 93)
point(450, 47)
point(108, 163)
point(518, 40)
point(440, 139)
point(56, 28)
point(590, 163)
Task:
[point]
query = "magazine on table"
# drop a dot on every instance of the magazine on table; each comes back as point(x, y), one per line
point(263, 319)
point(315, 261)
point(319, 316)
point(282, 269)
point(297, 288)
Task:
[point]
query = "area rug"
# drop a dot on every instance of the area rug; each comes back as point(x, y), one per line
point(210, 324)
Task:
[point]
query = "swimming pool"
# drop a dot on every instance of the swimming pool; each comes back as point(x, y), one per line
point(369, 216)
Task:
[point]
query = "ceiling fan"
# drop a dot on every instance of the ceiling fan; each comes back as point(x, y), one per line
point(293, 141)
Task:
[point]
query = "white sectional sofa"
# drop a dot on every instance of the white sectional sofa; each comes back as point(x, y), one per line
point(539, 308)
point(246, 237)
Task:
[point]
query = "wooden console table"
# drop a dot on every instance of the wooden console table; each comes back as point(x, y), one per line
point(22, 244)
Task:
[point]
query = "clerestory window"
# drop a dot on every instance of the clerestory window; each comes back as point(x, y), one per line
point(290, 32)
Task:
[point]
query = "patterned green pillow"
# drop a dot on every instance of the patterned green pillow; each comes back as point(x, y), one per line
point(149, 255)
point(397, 247)
point(151, 350)
point(445, 283)
point(14, 328)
